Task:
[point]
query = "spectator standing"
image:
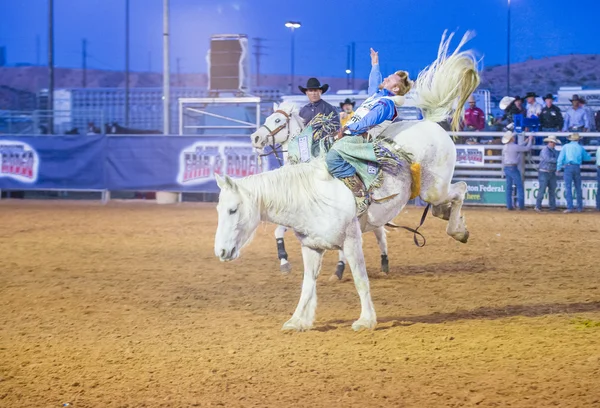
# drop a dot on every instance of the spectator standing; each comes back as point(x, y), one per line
point(571, 157)
point(551, 119)
point(576, 119)
point(588, 112)
point(315, 104)
point(474, 116)
point(547, 173)
point(347, 111)
point(514, 108)
point(534, 108)
point(511, 158)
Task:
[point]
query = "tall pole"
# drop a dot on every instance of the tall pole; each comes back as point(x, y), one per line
point(166, 70)
point(51, 66)
point(508, 52)
point(126, 63)
point(84, 63)
point(353, 67)
point(292, 71)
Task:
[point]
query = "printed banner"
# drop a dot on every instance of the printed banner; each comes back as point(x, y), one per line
point(52, 162)
point(179, 163)
point(470, 156)
point(589, 191)
point(485, 192)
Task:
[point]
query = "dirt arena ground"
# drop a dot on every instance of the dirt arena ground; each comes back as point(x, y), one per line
point(125, 305)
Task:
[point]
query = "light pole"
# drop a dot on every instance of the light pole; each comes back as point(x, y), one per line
point(508, 52)
point(348, 72)
point(292, 25)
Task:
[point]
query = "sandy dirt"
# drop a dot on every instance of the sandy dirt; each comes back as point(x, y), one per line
point(126, 305)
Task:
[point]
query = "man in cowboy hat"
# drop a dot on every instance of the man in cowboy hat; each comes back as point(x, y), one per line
point(571, 156)
point(511, 158)
point(589, 113)
point(370, 119)
point(474, 116)
point(347, 111)
point(547, 173)
point(551, 119)
point(315, 104)
point(514, 108)
point(534, 108)
point(576, 118)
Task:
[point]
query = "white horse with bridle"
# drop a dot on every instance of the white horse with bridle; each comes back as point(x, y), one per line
point(277, 131)
point(321, 209)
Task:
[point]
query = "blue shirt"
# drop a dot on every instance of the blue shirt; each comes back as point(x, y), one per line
point(548, 159)
point(384, 110)
point(572, 153)
point(598, 157)
point(576, 118)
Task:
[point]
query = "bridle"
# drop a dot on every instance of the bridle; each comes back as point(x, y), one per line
point(272, 134)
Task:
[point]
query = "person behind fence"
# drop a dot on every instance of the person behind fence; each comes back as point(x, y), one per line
point(315, 104)
point(369, 120)
point(534, 108)
point(576, 118)
point(589, 113)
point(511, 157)
point(347, 111)
point(551, 118)
point(547, 173)
point(474, 116)
point(514, 108)
point(571, 157)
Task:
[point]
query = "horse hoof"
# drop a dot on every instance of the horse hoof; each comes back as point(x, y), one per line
point(339, 270)
point(385, 264)
point(363, 325)
point(285, 268)
point(293, 325)
point(463, 237)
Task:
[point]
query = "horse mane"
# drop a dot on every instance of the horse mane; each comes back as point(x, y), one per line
point(300, 188)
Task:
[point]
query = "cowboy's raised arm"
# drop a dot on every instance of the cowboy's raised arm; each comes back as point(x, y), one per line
point(375, 76)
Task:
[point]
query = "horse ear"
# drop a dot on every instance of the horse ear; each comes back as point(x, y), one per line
point(275, 106)
point(225, 182)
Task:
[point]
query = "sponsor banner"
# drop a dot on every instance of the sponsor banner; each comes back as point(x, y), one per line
point(179, 163)
point(492, 192)
point(470, 156)
point(52, 162)
point(589, 191)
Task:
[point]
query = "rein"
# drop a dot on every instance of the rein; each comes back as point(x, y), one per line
point(415, 231)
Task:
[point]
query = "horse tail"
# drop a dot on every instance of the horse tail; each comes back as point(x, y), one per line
point(449, 77)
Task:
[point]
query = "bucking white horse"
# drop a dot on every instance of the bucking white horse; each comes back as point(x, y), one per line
point(322, 210)
point(279, 128)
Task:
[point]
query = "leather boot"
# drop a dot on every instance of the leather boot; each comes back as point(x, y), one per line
point(355, 184)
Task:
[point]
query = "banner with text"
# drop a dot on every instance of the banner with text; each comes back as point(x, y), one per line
point(179, 163)
point(589, 191)
point(52, 162)
point(485, 192)
point(470, 156)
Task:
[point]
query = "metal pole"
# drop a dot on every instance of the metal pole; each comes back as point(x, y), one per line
point(166, 70)
point(353, 67)
point(292, 76)
point(508, 52)
point(126, 63)
point(84, 63)
point(51, 66)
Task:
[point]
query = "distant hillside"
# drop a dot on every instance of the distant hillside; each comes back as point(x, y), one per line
point(18, 85)
point(544, 75)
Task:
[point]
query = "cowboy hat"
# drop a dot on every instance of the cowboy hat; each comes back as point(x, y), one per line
point(348, 101)
point(531, 95)
point(504, 102)
point(507, 137)
point(313, 83)
point(552, 139)
point(574, 137)
point(549, 96)
point(575, 98)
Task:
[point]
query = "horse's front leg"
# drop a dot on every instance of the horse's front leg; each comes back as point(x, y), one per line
point(284, 265)
point(304, 316)
point(381, 236)
point(356, 259)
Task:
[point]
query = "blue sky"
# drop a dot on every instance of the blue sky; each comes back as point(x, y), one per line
point(405, 32)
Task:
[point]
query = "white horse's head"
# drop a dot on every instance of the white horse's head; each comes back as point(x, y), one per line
point(238, 219)
point(279, 127)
